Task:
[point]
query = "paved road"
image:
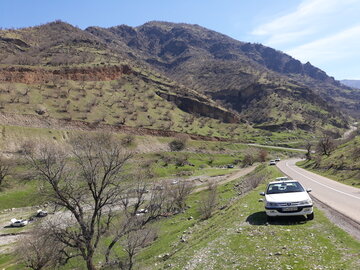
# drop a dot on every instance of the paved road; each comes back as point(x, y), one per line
point(344, 199)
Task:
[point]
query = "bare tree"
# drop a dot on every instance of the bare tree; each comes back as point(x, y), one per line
point(308, 149)
point(179, 194)
point(87, 185)
point(326, 145)
point(100, 198)
point(208, 202)
point(4, 169)
point(134, 241)
point(163, 201)
point(248, 159)
point(38, 250)
point(131, 243)
point(262, 155)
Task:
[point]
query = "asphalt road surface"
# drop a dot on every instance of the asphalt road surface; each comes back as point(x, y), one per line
point(342, 198)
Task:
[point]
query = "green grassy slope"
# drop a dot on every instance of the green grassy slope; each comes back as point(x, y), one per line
point(239, 237)
point(343, 164)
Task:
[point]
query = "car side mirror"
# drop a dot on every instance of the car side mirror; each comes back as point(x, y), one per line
point(262, 193)
point(309, 190)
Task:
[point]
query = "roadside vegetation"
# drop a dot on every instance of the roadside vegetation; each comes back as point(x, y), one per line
point(338, 160)
point(219, 226)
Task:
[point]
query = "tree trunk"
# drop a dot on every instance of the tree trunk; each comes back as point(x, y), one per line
point(89, 264)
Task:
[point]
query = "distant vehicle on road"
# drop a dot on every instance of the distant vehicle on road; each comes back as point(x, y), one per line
point(277, 159)
point(18, 222)
point(272, 162)
point(282, 178)
point(230, 166)
point(287, 198)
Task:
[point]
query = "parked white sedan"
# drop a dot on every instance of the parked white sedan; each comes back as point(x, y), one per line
point(18, 222)
point(287, 198)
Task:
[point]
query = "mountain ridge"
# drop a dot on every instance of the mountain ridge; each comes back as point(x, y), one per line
point(258, 83)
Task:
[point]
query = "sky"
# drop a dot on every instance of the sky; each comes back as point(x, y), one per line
point(324, 32)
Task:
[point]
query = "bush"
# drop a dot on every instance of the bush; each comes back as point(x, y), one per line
point(178, 144)
point(248, 160)
point(208, 202)
point(128, 140)
point(262, 155)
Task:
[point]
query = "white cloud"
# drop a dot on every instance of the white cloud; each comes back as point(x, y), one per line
point(323, 32)
point(310, 17)
point(342, 45)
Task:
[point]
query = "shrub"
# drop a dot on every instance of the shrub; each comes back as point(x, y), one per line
point(263, 155)
point(248, 160)
point(178, 144)
point(128, 140)
point(208, 202)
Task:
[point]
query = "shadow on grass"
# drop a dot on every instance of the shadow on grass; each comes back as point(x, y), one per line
point(260, 218)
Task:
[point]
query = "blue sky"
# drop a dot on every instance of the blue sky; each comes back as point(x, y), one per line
point(324, 32)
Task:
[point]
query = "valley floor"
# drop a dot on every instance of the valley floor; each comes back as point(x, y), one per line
point(237, 236)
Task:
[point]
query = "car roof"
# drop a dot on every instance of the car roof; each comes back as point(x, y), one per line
point(283, 181)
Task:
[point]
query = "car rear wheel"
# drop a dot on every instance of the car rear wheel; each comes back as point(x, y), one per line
point(311, 216)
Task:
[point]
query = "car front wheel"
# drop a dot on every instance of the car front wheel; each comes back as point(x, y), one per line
point(311, 216)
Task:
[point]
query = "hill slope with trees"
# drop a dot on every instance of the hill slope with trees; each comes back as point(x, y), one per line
point(195, 70)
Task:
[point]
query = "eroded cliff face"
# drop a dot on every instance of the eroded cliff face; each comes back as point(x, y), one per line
point(194, 106)
point(186, 100)
point(41, 75)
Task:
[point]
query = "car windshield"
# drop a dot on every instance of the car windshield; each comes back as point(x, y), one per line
point(284, 187)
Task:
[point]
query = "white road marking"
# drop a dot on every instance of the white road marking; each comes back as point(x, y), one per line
point(322, 183)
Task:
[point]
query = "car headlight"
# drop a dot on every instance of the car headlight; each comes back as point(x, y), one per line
point(271, 204)
point(306, 202)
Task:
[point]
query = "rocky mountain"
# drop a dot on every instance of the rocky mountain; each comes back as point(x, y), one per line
point(238, 74)
point(351, 83)
point(201, 71)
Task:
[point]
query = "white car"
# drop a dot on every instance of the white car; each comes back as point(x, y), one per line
point(287, 198)
point(272, 162)
point(282, 178)
point(18, 222)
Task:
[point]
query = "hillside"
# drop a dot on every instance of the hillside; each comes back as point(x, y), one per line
point(194, 80)
point(342, 164)
point(231, 71)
